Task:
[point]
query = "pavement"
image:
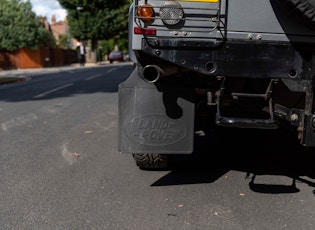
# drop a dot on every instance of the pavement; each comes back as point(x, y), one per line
point(15, 75)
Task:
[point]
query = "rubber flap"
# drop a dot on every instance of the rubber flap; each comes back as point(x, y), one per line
point(155, 118)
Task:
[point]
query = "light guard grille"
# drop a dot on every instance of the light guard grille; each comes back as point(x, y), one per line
point(183, 18)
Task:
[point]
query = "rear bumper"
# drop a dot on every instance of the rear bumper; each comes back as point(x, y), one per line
point(234, 58)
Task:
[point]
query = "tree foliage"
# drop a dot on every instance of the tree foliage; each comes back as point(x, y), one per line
point(98, 19)
point(63, 41)
point(20, 27)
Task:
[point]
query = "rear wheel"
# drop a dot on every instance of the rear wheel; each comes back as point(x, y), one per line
point(303, 9)
point(147, 161)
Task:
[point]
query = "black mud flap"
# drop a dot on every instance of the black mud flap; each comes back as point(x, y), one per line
point(155, 118)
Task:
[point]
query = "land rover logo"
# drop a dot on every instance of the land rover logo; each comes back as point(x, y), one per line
point(156, 130)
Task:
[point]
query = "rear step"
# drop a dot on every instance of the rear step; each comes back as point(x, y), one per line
point(248, 121)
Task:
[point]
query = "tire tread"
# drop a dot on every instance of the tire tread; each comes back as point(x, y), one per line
point(147, 161)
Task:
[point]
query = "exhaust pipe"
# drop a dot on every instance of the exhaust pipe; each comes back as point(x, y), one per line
point(152, 73)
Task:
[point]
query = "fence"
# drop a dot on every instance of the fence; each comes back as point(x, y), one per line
point(43, 57)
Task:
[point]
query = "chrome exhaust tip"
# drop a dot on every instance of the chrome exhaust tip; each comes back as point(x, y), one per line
point(152, 73)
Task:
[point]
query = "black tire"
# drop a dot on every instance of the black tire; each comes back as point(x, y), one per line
point(147, 161)
point(303, 9)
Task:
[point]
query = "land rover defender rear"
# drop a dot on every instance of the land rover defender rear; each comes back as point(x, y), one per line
point(252, 62)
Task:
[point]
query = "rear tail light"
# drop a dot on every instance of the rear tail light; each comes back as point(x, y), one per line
point(171, 13)
point(138, 30)
point(145, 12)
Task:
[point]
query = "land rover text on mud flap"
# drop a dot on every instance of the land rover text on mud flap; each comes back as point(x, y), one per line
point(252, 62)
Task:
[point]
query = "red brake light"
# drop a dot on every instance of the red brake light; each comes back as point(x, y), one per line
point(138, 30)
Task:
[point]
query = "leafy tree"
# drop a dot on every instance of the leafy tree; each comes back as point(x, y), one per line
point(20, 27)
point(63, 41)
point(98, 19)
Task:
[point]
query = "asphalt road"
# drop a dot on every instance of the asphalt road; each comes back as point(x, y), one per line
point(60, 168)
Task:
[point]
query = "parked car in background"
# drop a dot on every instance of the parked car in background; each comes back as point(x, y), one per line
point(115, 56)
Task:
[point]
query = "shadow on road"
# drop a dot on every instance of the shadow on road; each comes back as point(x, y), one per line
point(254, 152)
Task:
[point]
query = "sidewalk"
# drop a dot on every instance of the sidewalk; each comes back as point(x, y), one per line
point(9, 76)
